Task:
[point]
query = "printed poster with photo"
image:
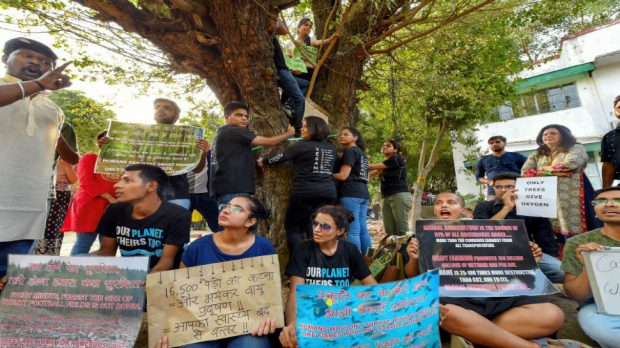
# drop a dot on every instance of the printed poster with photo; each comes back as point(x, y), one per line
point(53, 301)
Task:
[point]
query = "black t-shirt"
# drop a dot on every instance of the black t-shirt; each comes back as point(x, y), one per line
point(278, 57)
point(170, 225)
point(180, 186)
point(313, 165)
point(356, 184)
point(232, 162)
point(340, 269)
point(394, 178)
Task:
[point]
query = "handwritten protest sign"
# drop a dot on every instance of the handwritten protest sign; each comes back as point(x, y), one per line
point(52, 301)
point(397, 314)
point(172, 148)
point(603, 269)
point(481, 258)
point(537, 196)
point(215, 301)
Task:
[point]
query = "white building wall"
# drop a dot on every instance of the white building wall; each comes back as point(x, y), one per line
point(589, 122)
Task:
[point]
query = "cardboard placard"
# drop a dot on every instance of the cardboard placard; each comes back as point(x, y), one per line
point(481, 258)
point(538, 196)
point(603, 269)
point(53, 301)
point(215, 301)
point(296, 64)
point(397, 314)
point(172, 148)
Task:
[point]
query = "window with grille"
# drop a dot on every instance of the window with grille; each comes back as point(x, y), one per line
point(541, 101)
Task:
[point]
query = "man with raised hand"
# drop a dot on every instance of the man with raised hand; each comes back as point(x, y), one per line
point(602, 328)
point(29, 136)
point(232, 161)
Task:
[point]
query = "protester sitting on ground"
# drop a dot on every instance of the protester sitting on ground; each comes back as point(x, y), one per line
point(491, 322)
point(316, 261)
point(538, 229)
point(353, 189)
point(304, 27)
point(313, 162)
point(394, 189)
point(141, 224)
point(560, 155)
point(602, 328)
point(93, 196)
point(232, 161)
point(238, 240)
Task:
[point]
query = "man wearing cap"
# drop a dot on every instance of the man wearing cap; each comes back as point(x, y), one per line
point(29, 135)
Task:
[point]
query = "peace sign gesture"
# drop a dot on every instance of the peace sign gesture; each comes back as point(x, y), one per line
point(55, 79)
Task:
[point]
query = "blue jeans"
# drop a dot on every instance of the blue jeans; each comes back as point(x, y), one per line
point(358, 229)
point(207, 207)
point(296, 88)
point(83, 242)
point(603, 328)
point(24, 246)
point(181, 202)
point(550, 266)
point(244, 341)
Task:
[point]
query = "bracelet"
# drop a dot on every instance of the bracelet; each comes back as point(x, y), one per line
point(547, 173)
point(40, 84)
point(22, 89)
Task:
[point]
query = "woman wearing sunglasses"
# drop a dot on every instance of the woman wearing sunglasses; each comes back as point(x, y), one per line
point(323, 260)
point(238, 240)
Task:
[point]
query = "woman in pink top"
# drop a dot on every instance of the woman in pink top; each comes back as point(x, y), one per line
point(90, 201)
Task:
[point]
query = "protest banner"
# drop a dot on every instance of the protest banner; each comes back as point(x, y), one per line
point(397, 314)
point(603, 269)
point(310, 52)
point(295, 64)
point(210, 302)
point(537, 196)
point(53, 301)
point(170, 147)
point(481, 258)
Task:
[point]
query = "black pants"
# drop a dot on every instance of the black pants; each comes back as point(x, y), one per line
point(298, 219)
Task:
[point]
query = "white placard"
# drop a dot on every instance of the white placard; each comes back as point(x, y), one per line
point(538, 196)
point(603, 269)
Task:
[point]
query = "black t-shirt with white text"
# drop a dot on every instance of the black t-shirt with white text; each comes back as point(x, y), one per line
point(341, 269)
point(394, 178)
point(232, 162)
point(356, 184)
point(170, 224)
point(313, 165)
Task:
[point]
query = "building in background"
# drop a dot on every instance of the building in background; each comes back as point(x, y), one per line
point(575, 88)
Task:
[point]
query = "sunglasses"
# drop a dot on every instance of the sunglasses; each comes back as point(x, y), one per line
point(599, 202)
point(506, 187)
point(323, 226)
point(235, 209)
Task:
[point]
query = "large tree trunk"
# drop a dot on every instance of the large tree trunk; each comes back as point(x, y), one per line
point(228, 42)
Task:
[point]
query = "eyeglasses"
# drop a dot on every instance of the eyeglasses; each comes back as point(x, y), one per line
point(323, 226)
point(235, 209)
point(505, 187)
point(599, 202)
